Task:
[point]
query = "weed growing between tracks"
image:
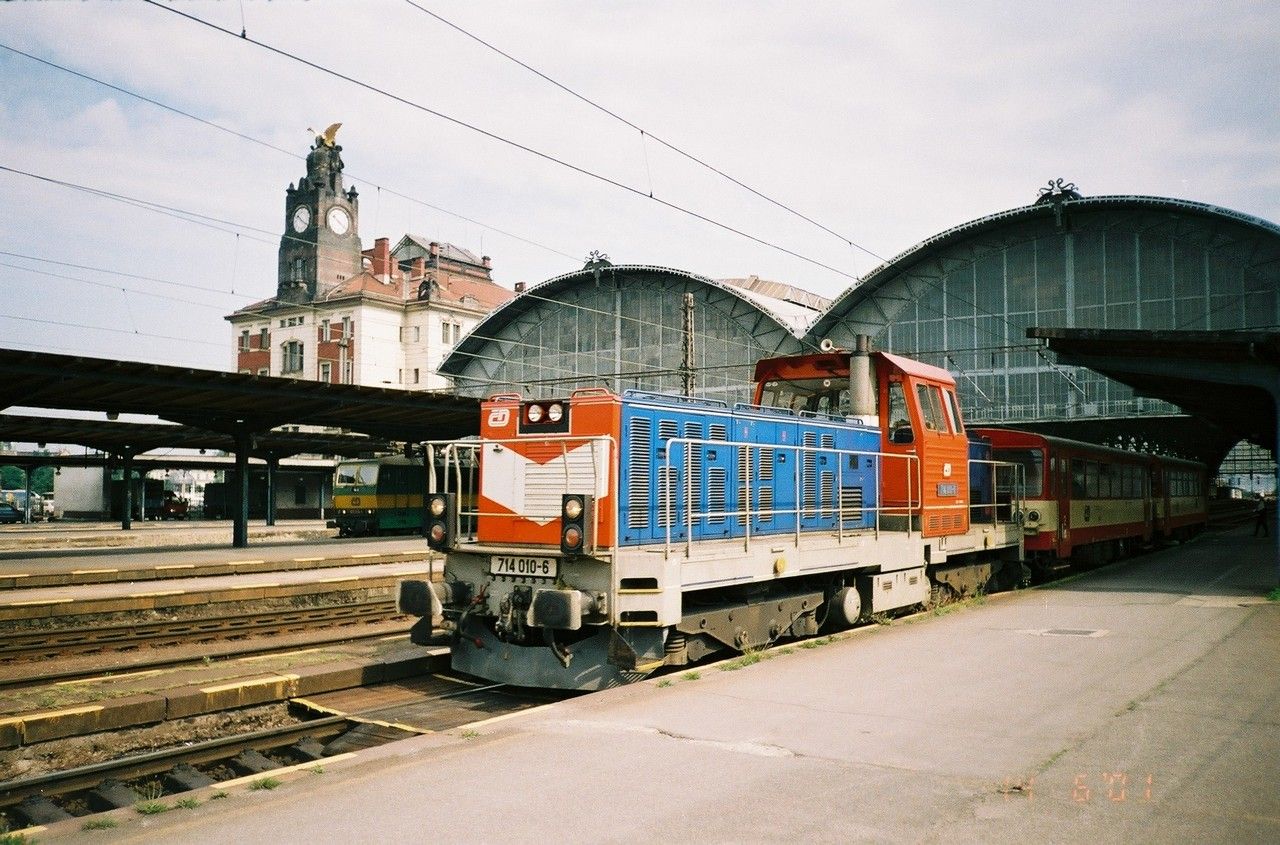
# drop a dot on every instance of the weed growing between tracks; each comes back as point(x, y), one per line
point(1274, 595)
point(265, 783)
point(100, 824)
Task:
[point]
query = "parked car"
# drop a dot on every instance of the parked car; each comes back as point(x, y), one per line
point(10, 514)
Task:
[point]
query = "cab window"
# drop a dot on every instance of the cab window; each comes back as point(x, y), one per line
point(953, 411)
point(900, 429)
point(931, 407)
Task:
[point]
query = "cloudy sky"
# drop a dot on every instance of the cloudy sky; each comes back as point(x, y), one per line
point(144, 155)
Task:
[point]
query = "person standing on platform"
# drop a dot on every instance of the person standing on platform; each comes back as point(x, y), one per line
point(1260, 517)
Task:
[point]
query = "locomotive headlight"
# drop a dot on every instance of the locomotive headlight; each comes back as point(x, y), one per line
point(533, 414)
point(555, 413)
point(437, 533)
point(437, 505)
point(573, 508)
point(1033, 516)
point(572, 538)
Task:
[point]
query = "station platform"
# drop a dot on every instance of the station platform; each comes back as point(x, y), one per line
point(1140, 702)
point(181, 550)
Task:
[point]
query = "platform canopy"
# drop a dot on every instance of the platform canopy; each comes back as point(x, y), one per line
point(228, 402)
point(1229, 380)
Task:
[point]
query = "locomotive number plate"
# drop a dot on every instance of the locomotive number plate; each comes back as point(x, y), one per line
point(523, 565)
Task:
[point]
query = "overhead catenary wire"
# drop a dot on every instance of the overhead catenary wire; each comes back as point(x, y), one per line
point(954, 296)
point(494, 136)
point(355, 177)
point(643, 132)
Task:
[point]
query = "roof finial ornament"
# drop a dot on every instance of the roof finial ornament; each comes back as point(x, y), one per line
point(1056, 191)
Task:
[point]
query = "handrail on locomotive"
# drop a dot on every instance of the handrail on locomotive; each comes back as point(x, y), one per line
point(455, 457)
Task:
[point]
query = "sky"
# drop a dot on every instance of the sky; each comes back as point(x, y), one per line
point(885, 123)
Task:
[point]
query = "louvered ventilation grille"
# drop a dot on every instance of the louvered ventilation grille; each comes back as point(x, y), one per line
point(693, 452)
point(639, 464)
point(828, 490)
point(809, 474)
point(666, 496)
point(666, 430)
point(851, 501)
point(717, 487)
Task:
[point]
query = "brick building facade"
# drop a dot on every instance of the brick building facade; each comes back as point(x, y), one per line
point(382, 317)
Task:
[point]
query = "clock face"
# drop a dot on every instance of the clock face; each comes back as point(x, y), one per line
point(301, 218)
point(339, 220)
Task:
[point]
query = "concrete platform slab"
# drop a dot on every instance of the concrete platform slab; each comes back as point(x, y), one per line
point(960, 727)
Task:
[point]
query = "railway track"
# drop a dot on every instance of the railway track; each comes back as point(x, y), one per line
point(45, 643)
point(155, 780)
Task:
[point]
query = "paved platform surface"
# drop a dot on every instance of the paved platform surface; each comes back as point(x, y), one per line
point(1137, 704)
point(48, 549)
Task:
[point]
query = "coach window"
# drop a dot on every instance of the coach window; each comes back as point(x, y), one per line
point(1106, 481)
point(1091, 479)
point(900, 430)
point(1077, 479)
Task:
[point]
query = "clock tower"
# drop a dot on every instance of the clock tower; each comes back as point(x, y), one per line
point(320, 247)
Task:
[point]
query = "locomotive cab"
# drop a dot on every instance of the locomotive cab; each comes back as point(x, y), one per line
point(925, 478)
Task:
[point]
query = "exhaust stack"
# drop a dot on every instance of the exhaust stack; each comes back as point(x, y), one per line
point(862, 380)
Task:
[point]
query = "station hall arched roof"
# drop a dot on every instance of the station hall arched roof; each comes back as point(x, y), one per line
point(870, 304)
point(545, 324)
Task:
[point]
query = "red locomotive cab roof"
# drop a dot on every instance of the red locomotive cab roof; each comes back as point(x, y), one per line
point(837, 364)
point(911, 367)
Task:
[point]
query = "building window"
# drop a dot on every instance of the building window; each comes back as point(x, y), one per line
point(300, 491)
point(297, 270)
point(416, 334)
point(292, 359)
point(347, 371)
point(324, 331)
point(347, 327)
point(399, 376)
point(264, 338)
point(264, 372)
point(244, 341)
point(415, 375)
point(402, 334)
point(326, 372)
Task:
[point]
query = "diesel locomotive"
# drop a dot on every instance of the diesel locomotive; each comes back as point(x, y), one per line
point(606, 535)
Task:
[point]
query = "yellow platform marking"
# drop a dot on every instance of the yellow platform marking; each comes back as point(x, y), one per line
point(248, 586)
point(323, 761)
point(156, 593)
point(243, 562)
point(320, 708)
point(144, 674)
point(256, 682)
point(307, 559)
point(339, 578)
point(177, 566)
point(34, 602)
point(92, 571)
point(282, 654)
point(372, 554)
point(50, 714)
